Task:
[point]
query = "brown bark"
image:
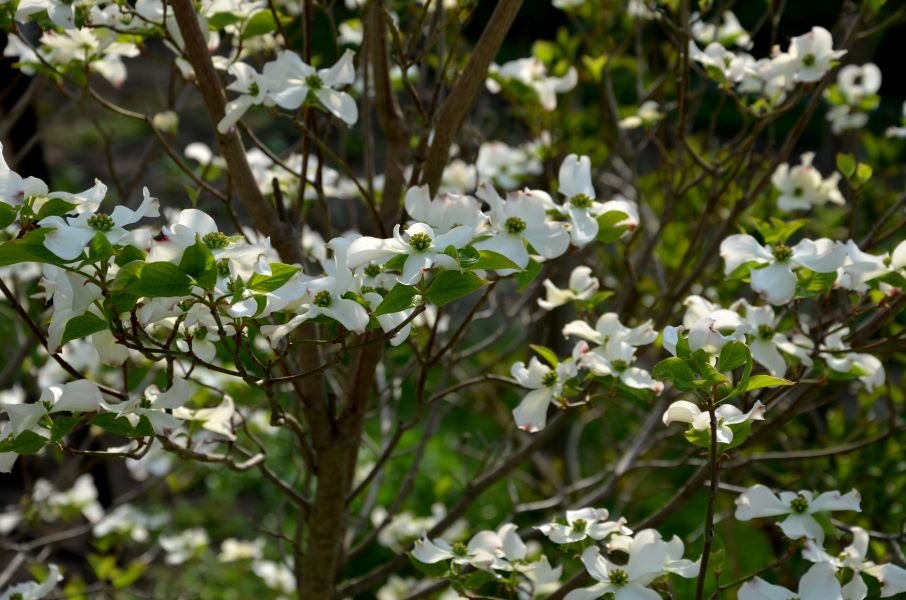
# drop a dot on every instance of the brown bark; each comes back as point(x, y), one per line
point(264, 216)
point(469, 83)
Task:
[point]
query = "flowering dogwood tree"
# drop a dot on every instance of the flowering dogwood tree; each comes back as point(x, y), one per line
point(378, 313)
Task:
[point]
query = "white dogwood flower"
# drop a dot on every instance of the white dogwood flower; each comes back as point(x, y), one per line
point(294, 83)
point(776, 281)
point(546, 385)
point(582, 286)
point(818, 583)
point(683, 411)
point(801, 187)
point(798, 507)
point(518, 220)
point(582, 524)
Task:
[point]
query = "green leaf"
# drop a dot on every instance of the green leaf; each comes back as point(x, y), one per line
point(525, 278)
point(280, 274)
point(467, 256)
point(54, 207)
point(547, 354)
point(438, 569)
point(702, 437)
point(29, 248)
point(198, 263)
point(62, 425)
point(846, 164)
point(7, 215)
point(222, 19)
point(121, 426)
point(260, 23)
point(448, 286)
point(493, 261)
point(733, 355)
point(99, 248)
point(27, 442)
point(478, 578)
point(127, 254)
point(608, 230)
point(810, 283)
point(677, 371)
point(399, 298)
point(763, 381)
point(595, 65)
point(396, 263)
point(863, 173)
point(153, 280)
point(82, 326)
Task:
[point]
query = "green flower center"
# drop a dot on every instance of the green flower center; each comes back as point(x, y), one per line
point(322, 299)
point(619, 365)
point(809, 60)
point(254, 89)
point(223, 268)
point(582, 201)
point(618, 577)
point(799, 505)
point(579, 525)
point(314, 82)
point(514, 225)
point(782, 252)
point(420, 241)
point(460, 550)
point(798, 192)
point(765, 332)
point(549, 379)
point(373, 270)
point(215, 240)
point(101, 222)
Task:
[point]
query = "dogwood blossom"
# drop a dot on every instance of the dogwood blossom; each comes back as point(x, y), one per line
point(648, 557)
point(809, 55)
point(839, 357)
point(422, 247)
point(759, 501)
point(853, 557)
point(531, 72)
point(729, 33)
point(776, 280)
point(582, 286)
point(70, 236)
point(546, 385)
point(581, 206)
point(683, 411)
point(647, 115)
point(184, 545)
point(31, 590)
point(300, 82)
point(818, 583)
point(582, 524)
point(518, 220)
point(801, 187)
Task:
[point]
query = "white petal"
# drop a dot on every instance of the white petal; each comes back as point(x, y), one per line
point(741, 248)
point(575, 176)
point(776, 283)
point(819, 583)
point(681, 411)
point(531, 414)
point(77, 396)
point(821, 256)
point(340, 104)
point(429, 552)
point(759, 501)
point(759, 589)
